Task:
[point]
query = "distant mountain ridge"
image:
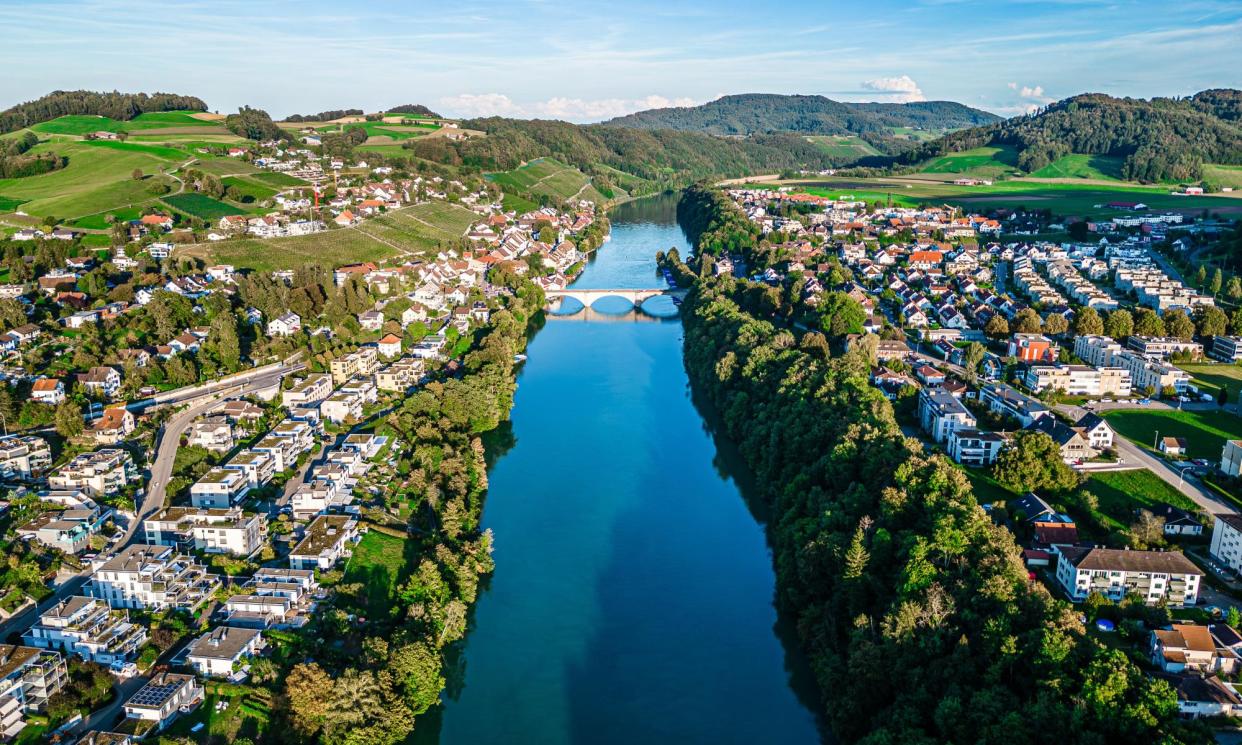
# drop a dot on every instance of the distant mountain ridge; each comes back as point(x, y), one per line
point(753, 113)
point(1157, 139)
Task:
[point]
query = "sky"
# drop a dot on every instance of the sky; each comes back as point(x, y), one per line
point(587, 61)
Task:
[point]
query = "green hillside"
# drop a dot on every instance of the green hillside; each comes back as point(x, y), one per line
point(547, 177)
point(1101, 167)
point(979, 162)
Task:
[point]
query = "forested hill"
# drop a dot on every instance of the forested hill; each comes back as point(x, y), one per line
point(750, 113)
point(663, 156)
point(1158, 139)
point(119, 106)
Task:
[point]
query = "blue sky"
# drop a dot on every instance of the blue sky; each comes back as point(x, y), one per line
point(588, 60)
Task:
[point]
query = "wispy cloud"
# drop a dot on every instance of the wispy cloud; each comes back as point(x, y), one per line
point(559, 107)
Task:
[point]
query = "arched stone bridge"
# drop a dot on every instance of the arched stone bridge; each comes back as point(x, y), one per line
point(589, 297)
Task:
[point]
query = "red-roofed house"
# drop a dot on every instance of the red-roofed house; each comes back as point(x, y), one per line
point(390, 346)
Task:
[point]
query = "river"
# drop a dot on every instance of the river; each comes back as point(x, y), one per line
point(632, 600)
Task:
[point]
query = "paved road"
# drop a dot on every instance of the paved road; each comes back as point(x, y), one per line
point(105, 718)
point(1137, 456)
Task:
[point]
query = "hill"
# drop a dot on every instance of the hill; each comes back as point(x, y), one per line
point(752, 113)
point(1160, 139)
point(662, 157)
point(118, 106)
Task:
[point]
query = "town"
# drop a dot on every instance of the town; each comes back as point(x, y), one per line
point(189, 469)
point(1087, 391)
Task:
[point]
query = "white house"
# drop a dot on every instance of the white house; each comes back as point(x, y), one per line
point(162, 698)
point(327, 540)
point(940, 413)
point(222, 652)
point(286, 324)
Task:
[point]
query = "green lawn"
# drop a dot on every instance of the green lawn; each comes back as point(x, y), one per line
point(83, 124)
point(272, 178)
point(1082, 166)
point(255, 190)
point(331, 248)
point(1122, 492)
point(380, 564)
point(201, 206)
point(1222, 175)
point(1205, 431)
point(247, 715)
point(1215, 375)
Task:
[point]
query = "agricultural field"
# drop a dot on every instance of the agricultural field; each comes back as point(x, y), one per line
point(83, 124)
point(1064, 199)
point(916, 135)
point(843, 146)
point(982, 162)
point(1097, 167)
point(380, 565)
point(272, 178)
point(250, 189)
point(201, 206)
point(1205, 431)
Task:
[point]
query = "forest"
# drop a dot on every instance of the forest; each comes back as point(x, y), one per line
point(119, 106)
point(664, 156)
point(324, 116)
point(1160, 139)
point(914, 607)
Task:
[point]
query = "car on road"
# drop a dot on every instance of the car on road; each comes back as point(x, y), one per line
point(1201, 462)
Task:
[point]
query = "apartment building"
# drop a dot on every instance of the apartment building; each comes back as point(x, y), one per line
point(259, 467)
point(1152, 575)
point(940, 413)
point(89, 628)
point(104, 471)
point(400, 376)
point(342, 406)
point(363, 361)
point(1078, 380)
point(24, 457)
point(298, 431)
point(1162, 347)
point(1003, 400)
point(319, 497)
point(219, 488)
point(276, 598)
point(974, 447)
point(327, 540)
point(214, 531)
point(69, 530)
point(1227, 348)
point(1226, 544)
point(307, 391)
point(155, 577)
point(1096, 351)
point(282, 451)
point(28, 678)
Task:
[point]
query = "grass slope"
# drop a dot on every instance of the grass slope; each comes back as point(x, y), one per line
point(844, 147)
point(201, 206)
point(1100, 167)
point(1121, 493)
point(980, 162)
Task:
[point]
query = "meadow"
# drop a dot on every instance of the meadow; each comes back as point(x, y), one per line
point(380, 565)
point(201, 206)
point(1215, 376)
point(1205, 432)
point(843, 146)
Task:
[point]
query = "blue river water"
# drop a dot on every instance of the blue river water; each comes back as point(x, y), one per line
point(632, 600)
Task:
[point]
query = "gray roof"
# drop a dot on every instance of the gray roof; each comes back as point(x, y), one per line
point(222, 643)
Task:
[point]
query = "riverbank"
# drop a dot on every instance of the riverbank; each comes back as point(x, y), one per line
point(914, 608)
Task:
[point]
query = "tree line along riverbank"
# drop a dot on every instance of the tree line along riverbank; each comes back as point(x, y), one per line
point(913, 606)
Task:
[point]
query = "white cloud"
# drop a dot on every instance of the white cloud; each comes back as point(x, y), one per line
point(900, 89)
point(559, 107)
point(1028, 92)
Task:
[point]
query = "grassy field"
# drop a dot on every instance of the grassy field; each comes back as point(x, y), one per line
point(1120, 493)
point(247, 715)
point(83, 124)
point(1082, 166)
point(379, 563)
point(201, 206)
point(842, 146)
point(1215, 376)
point(1205, 431)
point(980, 162)
point(272, 178)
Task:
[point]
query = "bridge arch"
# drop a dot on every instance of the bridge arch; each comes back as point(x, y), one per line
point(588, 298)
